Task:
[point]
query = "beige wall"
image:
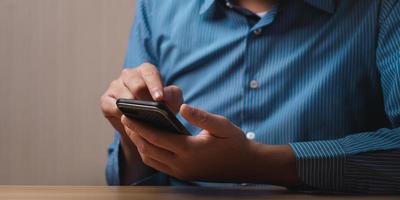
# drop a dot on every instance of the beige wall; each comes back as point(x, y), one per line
point(56, 59)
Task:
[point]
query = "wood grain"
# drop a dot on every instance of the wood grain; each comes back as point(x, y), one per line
point(167, 193)
point(56, 58)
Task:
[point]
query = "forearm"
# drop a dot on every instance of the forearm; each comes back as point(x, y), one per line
point(132, 169)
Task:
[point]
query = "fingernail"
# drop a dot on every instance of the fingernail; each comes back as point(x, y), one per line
point(157, 95)
point(123, 119)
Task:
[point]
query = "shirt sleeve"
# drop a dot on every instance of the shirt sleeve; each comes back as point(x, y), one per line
point(113, 170)
point(141, 47)
point(140, 50)
point(364, 162)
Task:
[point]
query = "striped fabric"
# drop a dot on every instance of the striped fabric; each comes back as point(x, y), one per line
point(320, 75)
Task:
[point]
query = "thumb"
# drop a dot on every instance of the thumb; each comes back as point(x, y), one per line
point(215, 124)
point(173, 98)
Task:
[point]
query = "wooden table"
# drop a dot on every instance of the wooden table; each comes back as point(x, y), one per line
point(161, 193)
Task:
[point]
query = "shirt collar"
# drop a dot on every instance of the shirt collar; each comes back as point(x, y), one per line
point(325, 5)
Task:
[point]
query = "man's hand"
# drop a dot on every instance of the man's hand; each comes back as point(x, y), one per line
point(142, 83)
point(220, 152)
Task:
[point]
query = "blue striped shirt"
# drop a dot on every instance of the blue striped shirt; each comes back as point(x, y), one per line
point(320, 75)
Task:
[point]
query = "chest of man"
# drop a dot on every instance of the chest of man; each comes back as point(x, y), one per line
point(296, 74)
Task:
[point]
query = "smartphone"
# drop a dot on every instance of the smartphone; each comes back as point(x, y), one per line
point(153, 113)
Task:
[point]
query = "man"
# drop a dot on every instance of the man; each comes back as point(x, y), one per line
point(304, 94)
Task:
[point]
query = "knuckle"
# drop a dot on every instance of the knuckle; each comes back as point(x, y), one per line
point(146, 65)
point(145, 159)
point(137, 86)
point(107, 110)
point(125, 72)
point(114, 83)
point(141, 148)
point(149, 73)
point(144, 149)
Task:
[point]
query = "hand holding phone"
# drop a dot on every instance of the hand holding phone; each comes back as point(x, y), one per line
point(142, 82)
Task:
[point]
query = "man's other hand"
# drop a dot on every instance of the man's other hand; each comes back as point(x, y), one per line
point(220, 152)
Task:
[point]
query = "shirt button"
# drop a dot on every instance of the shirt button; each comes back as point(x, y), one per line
point(254, 84)
point(250, 135)
point(229, 4)
point(258, 31)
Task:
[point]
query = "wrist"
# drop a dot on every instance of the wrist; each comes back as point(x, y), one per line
point(275, 164)
point(131, 165)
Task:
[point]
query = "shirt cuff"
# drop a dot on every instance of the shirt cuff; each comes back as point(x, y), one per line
point(320, 164)
point(112, 168)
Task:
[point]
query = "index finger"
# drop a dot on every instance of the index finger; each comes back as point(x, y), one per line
point(152, 78)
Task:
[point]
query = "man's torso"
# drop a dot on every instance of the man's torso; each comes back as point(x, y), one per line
point(309, 74)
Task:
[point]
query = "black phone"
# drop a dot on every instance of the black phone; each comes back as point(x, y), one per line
point(153, 113)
